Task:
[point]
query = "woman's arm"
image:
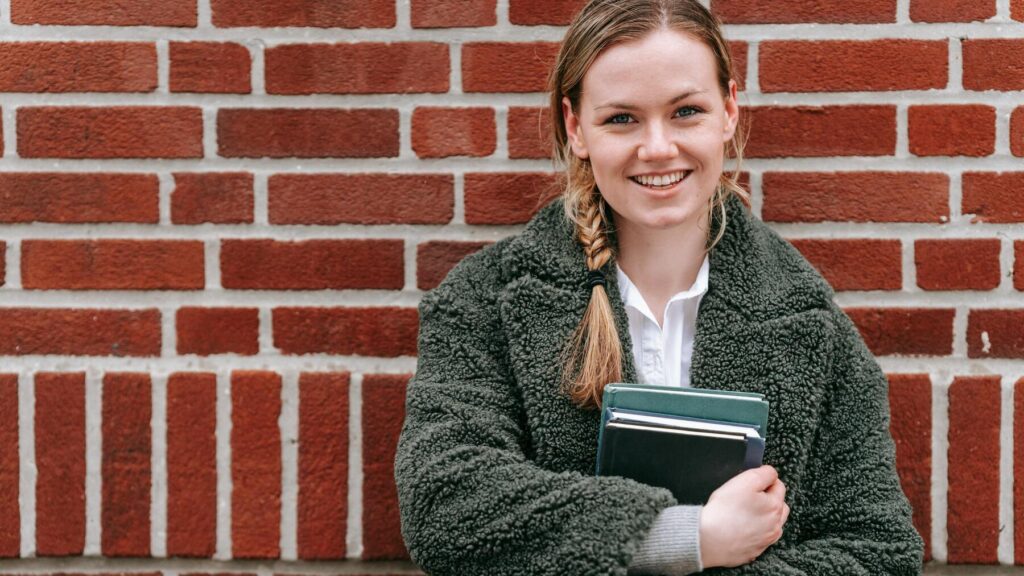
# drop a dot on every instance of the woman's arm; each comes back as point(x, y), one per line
point(855, 518)
point(470, 500)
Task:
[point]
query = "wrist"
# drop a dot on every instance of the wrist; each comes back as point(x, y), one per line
point(708, 559)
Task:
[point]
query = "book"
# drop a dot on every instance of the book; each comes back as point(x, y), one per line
point(690, 441)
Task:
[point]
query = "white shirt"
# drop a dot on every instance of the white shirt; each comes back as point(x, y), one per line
point(662, 353)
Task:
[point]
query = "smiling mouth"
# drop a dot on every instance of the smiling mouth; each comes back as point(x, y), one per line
point(661, 182)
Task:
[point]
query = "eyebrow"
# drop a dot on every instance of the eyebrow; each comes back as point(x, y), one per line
point(625, 106)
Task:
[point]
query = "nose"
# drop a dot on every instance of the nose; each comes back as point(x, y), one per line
point(657, 144)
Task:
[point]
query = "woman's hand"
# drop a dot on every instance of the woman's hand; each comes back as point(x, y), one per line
point(743, 518)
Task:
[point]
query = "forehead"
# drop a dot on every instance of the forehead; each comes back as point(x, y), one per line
point(662, 63)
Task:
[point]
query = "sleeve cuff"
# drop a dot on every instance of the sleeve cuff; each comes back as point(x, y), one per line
point(672, 545)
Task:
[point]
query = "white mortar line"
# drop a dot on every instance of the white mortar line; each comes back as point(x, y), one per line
point(1006, 527)
point(940, 465)
point(266, 331)
point(501, 132)
point(10, 129)
point(1006, 265)
point(257, 54)
point(756, 193)
point(12, 275)
point(93, 461)
point(27, 471)
point(211, 255)
point(902, 133)
point(261, 199)
point(501, 12)
point(409, 254)
point(288, 422)
point(209, 134)
point(403, 16)
point(168, 331)
point(165, 189)
point(960, 322)
point(223, 551)
point(1003, 114)
point(204, 14)
point(405, 150)
point(956, 65)
point(354, 538)
point(459, 216)
point(753, 68)
point(908, 255)
point(455, 58)
point(158, 465)
point(163, 67)
point(956, 199)
point(5, 13)
point(1002, 11)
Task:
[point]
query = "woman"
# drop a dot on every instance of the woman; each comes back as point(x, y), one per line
point(650, 254)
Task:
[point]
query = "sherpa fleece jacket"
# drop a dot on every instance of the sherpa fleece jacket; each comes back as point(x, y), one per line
point(495, 465)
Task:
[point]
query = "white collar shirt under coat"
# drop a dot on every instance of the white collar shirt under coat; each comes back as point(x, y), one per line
point(662, 353)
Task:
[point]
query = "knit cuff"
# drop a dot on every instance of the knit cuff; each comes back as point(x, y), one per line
point(672, 546)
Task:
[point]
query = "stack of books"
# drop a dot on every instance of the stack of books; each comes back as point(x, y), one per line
point(688, 440)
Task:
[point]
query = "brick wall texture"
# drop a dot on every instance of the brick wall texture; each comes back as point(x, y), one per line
point(217, 218)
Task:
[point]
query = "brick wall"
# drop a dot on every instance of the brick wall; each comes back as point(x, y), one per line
point(217, 218)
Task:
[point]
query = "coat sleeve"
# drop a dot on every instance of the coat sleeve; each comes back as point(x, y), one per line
point(470, 500)
point(856, 519)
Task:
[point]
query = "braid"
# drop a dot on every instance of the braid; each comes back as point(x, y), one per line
point(591, 232)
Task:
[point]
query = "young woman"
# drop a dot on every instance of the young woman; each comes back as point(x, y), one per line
point(649, 269)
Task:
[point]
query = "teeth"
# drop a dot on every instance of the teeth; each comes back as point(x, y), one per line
point(665, 180)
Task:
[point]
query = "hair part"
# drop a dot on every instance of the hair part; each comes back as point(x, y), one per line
point(593, 356)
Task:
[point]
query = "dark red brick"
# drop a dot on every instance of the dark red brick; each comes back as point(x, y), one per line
point(115, 132)
point(255, 464)
point(507, 197)
point(855, 197)
point(1017, 13)
point(312, 264)
point(993, 64)
point(323, 465)
point(436, 258)
point(507, 66)
point(77, 67)
point(214, 197)
point(972, 517)
point(799, 11)
point(1017, 132)
point(313, 13)
point(995, 333)
point(529, 132)
point(952, 130)
point(381, 332)
point(219, 67)
point(79, 332)
point(112, 265)
point(543, 12)
point(60, 463)
point(453, 13)
point(384, 396)
point(905, 331)
point(815, 131)
point(70, 198)
point(957, 264)
point(444, 132)
point(1018, 265)
point(206, 331)
point(127, 412)
point(180, 13)
point(307, 133)
point(951, 10)
point(361, 198)
point(855, 264)
point(191, 465)
point(10, 511)
point(993, 196)
point(910, 401)
point(359, 68)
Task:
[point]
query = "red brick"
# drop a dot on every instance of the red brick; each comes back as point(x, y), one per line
point(312, 13)
point(312, 264)
point(1017, 13)
point(444, 132)
point(60, 463)
point(77, 67)
point(453, 13)
point(381, 332)
point(181, 13)
point(115, 132)
point(1017, 132)
point(1018, 469)
point(218, 198)
point(910, 401)
point(206, 331)
point(856, 264)
point(855, 197)
point(436, 258)
point(221, 67)
point(1018, 265)
point(993, 197)
point(112, 265)
point(951, 10)
point(507, 198)
point(972, 519)
point(814, 131)
point(738, 51)
point(191, 465)
point(361, 198)
point(797, 11)
point(79, 332)
point(255, 464)
point(307, 133)
point(993, 64)
point(507, 66)
point(127, 411)
point(529, 132)
point(70, 198)
point(995, 334)
point(360, 68)
point(952, 130)
point(10, 513)
point(323, 465)
point(853, 66)
point(957, 264)
point(384, 396)
point(538, 12)
point(905, 331)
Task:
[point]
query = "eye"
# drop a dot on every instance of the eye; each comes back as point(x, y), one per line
point(619, 119)
point(687, 111)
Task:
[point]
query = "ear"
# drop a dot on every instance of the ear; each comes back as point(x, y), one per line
point(732, 112)
point(573, 130)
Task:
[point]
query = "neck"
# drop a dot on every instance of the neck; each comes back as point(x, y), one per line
point(661, 262)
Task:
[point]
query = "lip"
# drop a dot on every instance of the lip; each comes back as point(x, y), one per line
point(661, 192)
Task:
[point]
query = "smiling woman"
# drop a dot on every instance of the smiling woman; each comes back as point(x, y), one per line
point(649, 269)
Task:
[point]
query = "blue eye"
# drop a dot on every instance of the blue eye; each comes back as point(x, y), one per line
point(686, 111)
point(619, 119)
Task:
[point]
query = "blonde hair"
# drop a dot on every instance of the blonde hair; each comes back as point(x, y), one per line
point(593, 356)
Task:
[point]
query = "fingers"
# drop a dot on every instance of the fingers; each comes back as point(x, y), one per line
point(785, 513)
point(777, 490)
point(762, 478)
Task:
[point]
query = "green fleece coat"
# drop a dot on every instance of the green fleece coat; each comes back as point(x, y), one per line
point(495, 466)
